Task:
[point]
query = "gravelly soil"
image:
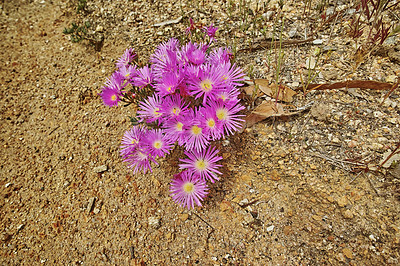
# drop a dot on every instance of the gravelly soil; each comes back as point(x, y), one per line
point(294, 190)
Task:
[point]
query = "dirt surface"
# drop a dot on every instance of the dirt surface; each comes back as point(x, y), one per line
point(295, 190)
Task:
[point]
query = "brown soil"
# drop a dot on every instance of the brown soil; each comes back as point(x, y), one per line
point(302, 189)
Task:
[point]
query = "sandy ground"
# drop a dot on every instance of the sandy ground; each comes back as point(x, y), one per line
point(288, 195)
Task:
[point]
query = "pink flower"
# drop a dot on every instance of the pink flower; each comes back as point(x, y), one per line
point(226, 113)
point(132, 139)
point(165, 58)
point(157, 143)
point(110, 96)
point(209, 121)
point(128, 56)
point(173, 106)
point(150, 109)
point(168, 84)
point(173, 129)
point(187, 189)
point(195, 137)
point(139, 160)
point(202, 163)
point(194, 53)
point(231, 74)
point(220, 55)
point(206, 82)
point(144, 77)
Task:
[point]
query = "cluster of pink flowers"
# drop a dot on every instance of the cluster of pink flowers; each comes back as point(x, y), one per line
point(194, 102)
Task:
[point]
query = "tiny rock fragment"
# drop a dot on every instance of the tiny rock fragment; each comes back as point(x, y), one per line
point(183, 217)
point(90, 206)
point(270, 228)
point(154, 222)
point(99, 28)
point(330, 199)
point(275, 175)
point(248, 218)
point(246, 179)
point(342, 201)
point(168, 22)
point(318, 41)
point(132, 251)
point(348, 253)
point(225, 206)
point(348, 214)
point(100, 169)
point(317, 217)
point(6, 238)
point(96, 210)
point(287, 230)
point(313, 166)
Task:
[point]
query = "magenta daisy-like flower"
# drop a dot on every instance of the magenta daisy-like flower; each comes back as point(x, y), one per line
point(144, 77)
point(168, 84)
point(115, 81)
point(128, 73)
point(209, 121)
point(128, 56)
point(173, 106)
point(220, 56)
point(202, 163)
point(194, 53)
point(187, 189)
point(228, 94)
point(139, 160)
point(132, 139)
point(231, 74)
point(206, 82)
point(226, 113)
point(173, 129)
point(157, 143)
point(165, 59)
point(110, 96)
point(150, 109)
point(195, 137)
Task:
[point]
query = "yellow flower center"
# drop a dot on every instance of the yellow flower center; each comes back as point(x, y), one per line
point(169, 89)
point(206, 85)
point(179, 126)
point(188, 187)
point(113, 97)
point(196, 130)
point(211, 123)
point(176, 110)
point(157, 144)
point(156, 113)
point(221, 114)
point(201, 164)
point(134, 141)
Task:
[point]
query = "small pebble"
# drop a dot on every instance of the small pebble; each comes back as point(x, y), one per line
point(348, 214)
point(270, 228)
point(348, 253)
point(154, 222)
point(100, 169)
point(342, 201)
